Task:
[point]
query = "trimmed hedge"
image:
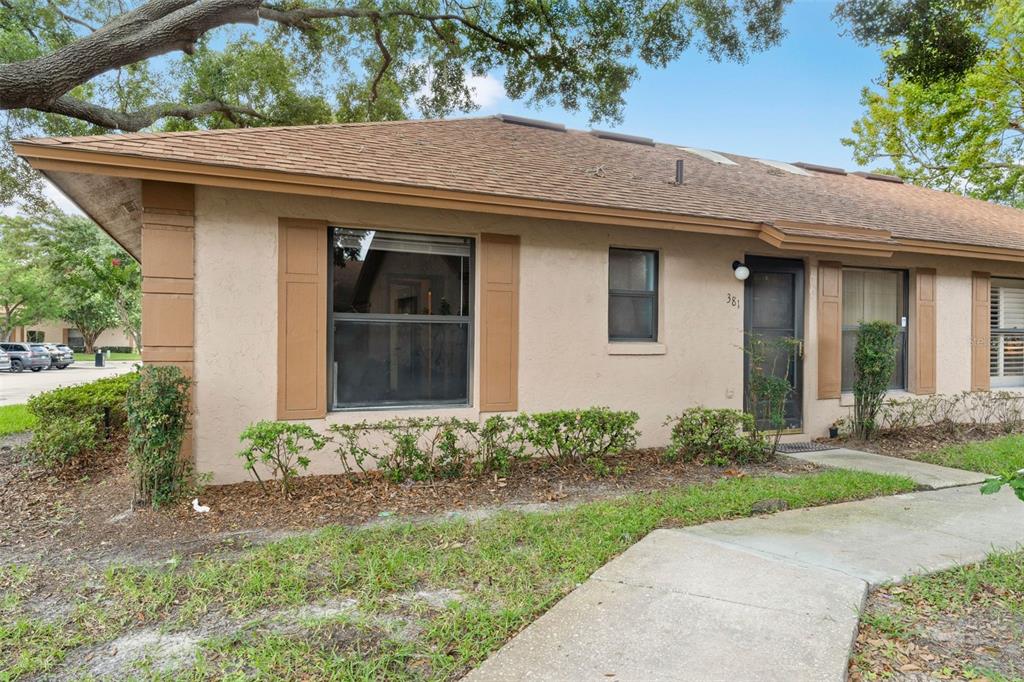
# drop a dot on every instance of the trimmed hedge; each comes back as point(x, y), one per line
point(71, 421)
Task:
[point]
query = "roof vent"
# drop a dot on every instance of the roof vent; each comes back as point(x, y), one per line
point(783, 166)
point(531, 122)
point(622, 137)
point(880, 176)
point(820, 169)
point(709, 155)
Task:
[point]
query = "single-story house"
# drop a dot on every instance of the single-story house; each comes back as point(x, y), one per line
point(61, 331)
point(338, 273)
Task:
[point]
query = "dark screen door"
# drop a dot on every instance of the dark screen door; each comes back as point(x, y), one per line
point(773, 310)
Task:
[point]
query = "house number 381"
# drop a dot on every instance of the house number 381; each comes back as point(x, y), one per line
point(732, 300)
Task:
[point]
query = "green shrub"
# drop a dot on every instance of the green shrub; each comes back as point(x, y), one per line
point(718, 436)
point(501, 442)
point(84, 399)
point(61, 440)
point(157, 409)
point(279, 447)
point(417, 448)
point(74, 421)
point(874, 359)
point(427, 448)
point(575, 435)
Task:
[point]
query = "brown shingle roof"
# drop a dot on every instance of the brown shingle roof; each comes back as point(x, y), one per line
point(487, 155)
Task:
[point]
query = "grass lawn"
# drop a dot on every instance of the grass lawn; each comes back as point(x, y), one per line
point(397, 601)
point(964, 623)
point(997, 457)
point(91, 357)
point(14, 419)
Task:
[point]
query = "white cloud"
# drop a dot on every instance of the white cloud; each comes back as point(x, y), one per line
point(488, 91)
point(51, 192)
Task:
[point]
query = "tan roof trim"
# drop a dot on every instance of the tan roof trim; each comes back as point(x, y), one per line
point(827, 238)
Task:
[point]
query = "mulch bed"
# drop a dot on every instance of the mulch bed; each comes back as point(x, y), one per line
point(941, 645)
point(919, 439)
point(85, 514)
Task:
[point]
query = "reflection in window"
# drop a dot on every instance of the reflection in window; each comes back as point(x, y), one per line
point(401, 317)
point(869, 296)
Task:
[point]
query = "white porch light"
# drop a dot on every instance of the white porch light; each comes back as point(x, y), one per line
point(740, 270)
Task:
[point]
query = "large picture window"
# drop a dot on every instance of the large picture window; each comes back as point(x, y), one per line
point(401, 316)
point(870, 296)
point(632, 295)
point(1006, 359)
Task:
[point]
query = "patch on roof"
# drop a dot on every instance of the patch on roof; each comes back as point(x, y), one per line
point(622, 137)
point(880, 176)
point(783, 166)
point(531, 122)
point(819, 168)
point(709, 155)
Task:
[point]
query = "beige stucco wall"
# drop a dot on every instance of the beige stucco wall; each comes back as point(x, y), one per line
point(565, 359)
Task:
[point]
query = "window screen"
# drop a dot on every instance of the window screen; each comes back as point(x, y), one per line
point(632, 295)
point(401, 312)
point(1006, 359)
point(869, 296)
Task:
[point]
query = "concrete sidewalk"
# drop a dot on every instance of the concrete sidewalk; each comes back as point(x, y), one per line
point(926, 475)
point(765, 598)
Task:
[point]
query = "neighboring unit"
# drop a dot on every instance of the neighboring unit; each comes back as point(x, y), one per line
point(339, 273)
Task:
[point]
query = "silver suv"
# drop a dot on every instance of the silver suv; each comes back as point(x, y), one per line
point(24, 356)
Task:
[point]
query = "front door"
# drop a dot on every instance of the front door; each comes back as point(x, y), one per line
point(774, 311)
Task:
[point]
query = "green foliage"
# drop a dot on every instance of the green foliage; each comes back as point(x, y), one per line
point(874, 360)
point(575, 435)
point(63, 439)
point(279, 446)
point(71, 422)
point(25, 280)
point(718, 436)
point(408, 58)
point(158, 406)
point(1015, 481)
point(92, 398)
point(960, 134)
point(929, 41)
point(769, 386)
point(425, 448)
point(422, 448)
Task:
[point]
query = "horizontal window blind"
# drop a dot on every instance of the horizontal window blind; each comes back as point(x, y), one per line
point(1006, 355)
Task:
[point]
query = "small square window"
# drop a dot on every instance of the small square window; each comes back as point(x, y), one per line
point(632, 295)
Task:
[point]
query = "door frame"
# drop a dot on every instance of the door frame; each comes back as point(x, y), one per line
point(798, 268)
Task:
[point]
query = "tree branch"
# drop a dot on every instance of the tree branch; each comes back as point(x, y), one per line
point(385, 59)
point(135, 121)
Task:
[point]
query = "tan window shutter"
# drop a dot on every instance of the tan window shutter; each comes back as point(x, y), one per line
point(302, 319)
point(924, 337)
point(830, 329)
point(499, 323)
point(980, 331)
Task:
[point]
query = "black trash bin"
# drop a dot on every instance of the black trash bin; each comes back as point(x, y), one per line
point(99, 358)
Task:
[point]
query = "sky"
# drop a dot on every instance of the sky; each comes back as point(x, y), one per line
point(791, 103)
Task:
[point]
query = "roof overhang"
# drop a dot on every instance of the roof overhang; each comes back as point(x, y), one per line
point(107, 187)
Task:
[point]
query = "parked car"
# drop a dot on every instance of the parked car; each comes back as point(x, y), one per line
point(69, 355)
point(5, 361)
point(26, 356)
point(58, 358)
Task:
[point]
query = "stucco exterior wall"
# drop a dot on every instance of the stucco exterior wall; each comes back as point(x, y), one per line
point(54, 332)
point(565, 359)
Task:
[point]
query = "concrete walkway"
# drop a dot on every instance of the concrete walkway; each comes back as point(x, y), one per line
point(926, 475)
point(764, 598)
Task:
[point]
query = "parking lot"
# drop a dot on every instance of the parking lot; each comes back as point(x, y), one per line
point(16, 388)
